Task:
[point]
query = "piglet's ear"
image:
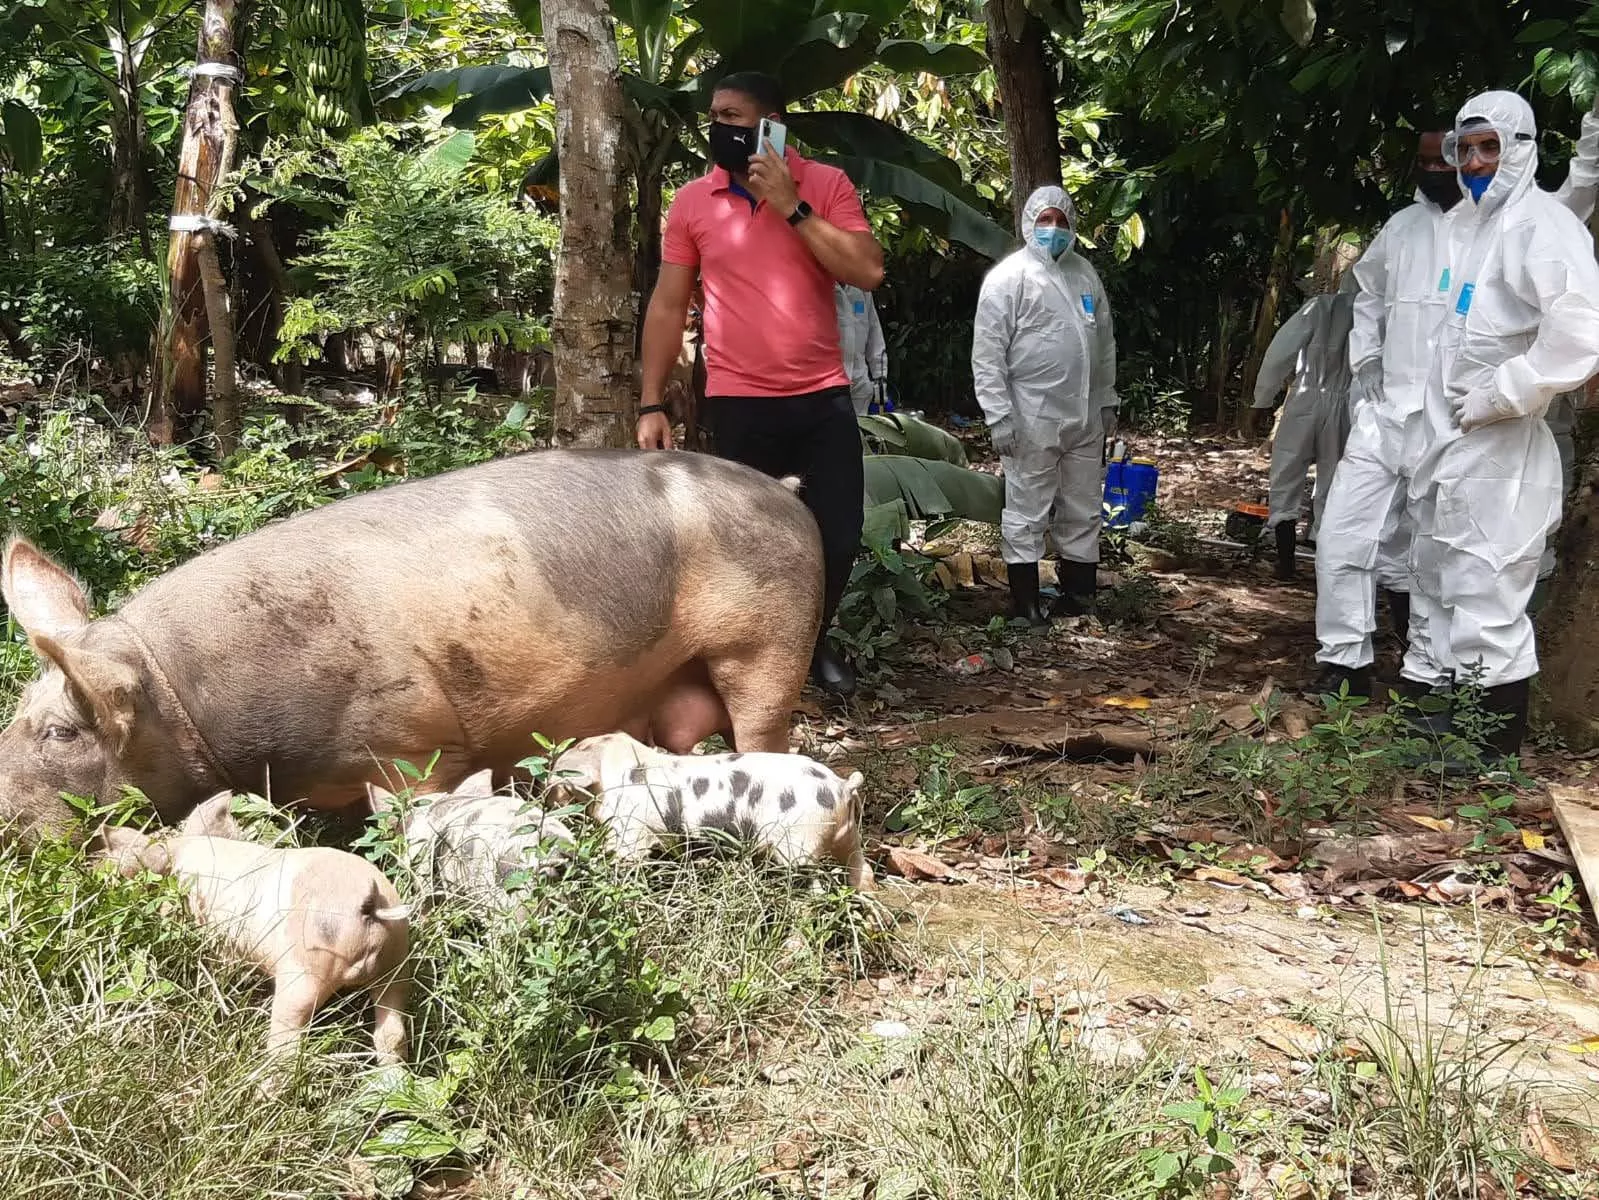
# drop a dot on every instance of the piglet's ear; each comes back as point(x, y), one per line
point(480, 784)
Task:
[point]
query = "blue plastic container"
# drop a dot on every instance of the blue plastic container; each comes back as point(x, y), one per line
point(1129, 490)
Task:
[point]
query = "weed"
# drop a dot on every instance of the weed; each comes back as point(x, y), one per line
point(1209, 1148)
point(947, 802)
point(1563, 931)
point(884, 586)
point(1433, 1106)
point(1134, 601)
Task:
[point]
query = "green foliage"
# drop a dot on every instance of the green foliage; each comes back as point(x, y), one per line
point(88, 302)
point(947, 802)
point(810, 48)
point(885, 586)
point(1211, 1148)
point(414, 256)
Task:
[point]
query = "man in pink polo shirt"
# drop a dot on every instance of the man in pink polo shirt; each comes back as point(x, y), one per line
point(766, 236)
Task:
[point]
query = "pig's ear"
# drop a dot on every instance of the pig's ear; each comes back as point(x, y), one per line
point(41, 595)
point(481, 784)
point(214, 819)
point(103, 687)
point(130, 851)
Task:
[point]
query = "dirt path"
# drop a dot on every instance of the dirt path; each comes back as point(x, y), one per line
point(1091, 740)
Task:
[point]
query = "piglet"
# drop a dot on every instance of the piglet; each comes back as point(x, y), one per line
point(784, 803)
point(319, 920)
point(468, 843)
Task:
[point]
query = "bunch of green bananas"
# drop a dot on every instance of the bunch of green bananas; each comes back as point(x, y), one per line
point(331, 37)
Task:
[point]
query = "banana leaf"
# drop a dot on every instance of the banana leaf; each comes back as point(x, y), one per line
point(895, 433)
point(933, 490)
point(886, 524)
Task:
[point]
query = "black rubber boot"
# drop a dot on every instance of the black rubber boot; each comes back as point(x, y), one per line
point(1432, 719)
point(1334, 677)
point(1078, 582)
point(830, 670)
point(1024, 602)
point(1285, 550)
point(1399, 614)
point(1511, 701)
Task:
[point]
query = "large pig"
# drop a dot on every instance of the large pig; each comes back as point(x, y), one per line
point(565, 592)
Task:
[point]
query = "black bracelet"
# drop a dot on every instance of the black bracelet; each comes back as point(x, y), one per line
point(647, 409)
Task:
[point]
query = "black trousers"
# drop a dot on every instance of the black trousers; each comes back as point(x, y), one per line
point(815, 437)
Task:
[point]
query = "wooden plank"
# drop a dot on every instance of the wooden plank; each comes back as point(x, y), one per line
point(1577, 810)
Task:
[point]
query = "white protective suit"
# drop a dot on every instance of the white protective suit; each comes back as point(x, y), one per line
point(1522, 327)
point(860, 337)
point(1313, 346)
point(1367, 525)
point(1044, 367)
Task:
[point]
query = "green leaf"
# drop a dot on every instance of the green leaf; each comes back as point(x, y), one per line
point(939, 208)
point(1556, 74)
point(1542, 32)
point(1064, 17)
point(415, 1141)
point(1584, 77)
point(454, 152)
point(1190, 1112)
point(661, 1030)
point(531, 14)
point(936, 58)
point(24, 139)
point(1299, 19)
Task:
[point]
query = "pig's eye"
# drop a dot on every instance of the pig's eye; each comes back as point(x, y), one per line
point(60, 733)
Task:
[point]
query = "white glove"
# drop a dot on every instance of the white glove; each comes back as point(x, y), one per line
point(1368, 381)
point(1107, 421)
point(1477, 408)
point(1003, 435)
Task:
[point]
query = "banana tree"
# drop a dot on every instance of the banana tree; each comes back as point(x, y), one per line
point(111, 40)
point(680, 50)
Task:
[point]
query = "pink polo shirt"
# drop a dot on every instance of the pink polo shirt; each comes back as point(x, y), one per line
point(770, 325)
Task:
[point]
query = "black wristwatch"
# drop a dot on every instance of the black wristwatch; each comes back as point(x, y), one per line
point(799, 213)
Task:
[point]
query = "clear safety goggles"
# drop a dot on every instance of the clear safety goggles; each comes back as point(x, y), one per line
point(1485, 143)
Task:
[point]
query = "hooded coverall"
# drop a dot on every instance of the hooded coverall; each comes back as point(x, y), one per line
point(1044, 368)
point(1521, 326)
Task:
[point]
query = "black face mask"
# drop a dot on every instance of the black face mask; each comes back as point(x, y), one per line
point(1441, 187)
point(731, 145)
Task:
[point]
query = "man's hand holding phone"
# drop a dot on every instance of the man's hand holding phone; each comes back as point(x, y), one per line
point(770, 181)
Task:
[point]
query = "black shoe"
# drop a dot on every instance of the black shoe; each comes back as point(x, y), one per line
point(1333, 678)
point(1285, 550)
point(1511, 702)
point(1399, 615)
point(1024, 602)
point(831, 671)
point(1078, 582)
point(1426, 708)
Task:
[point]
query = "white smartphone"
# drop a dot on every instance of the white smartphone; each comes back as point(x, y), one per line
point(771, 131)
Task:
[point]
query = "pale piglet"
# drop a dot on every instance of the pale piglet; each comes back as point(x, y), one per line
point(470, 843)
point(784, 803)
point(318, 920)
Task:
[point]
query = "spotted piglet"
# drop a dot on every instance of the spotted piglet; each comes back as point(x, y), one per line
point(784, 803)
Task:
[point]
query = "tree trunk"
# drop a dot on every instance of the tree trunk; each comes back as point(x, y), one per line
point(1568, 654)
point(209, 135)
point(1016, 47)
point(130, 192)
point(1266, 319)
point(593, 327)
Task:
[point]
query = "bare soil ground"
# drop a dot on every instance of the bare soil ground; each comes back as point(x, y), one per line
point(1118, 883)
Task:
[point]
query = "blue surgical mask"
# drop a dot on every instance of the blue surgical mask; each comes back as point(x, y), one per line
point(1054, 240)
point(1477, 185)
